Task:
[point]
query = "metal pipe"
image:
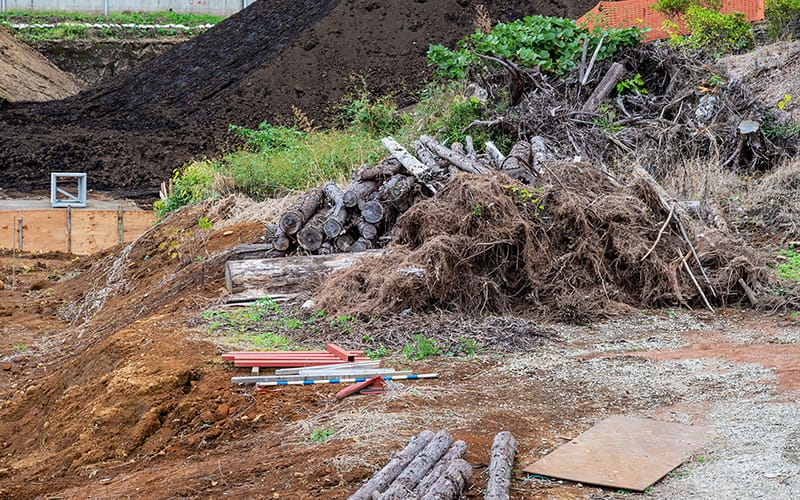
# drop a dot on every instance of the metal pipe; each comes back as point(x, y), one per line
point(105, 7)
point(388, 378)
point(20, 235)
point(69, 229)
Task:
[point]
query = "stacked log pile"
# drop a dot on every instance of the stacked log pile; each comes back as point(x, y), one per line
point(361, 215)
point(430, 466)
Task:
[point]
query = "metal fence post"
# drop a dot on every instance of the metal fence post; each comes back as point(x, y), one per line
point(105, 7)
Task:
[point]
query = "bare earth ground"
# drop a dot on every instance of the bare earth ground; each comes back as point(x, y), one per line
point(131, 399)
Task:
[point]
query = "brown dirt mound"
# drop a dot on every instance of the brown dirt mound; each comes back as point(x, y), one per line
point(573, 250)
point(131, 132)
point(25, 75)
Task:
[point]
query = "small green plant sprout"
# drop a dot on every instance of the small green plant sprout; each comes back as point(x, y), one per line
point(344, 322)
point(378, 352)
point(322, 434)
point(205, 223)
point(790, 267)
point(714, 80)
point(477, 210)
point(701, 459)
point(470, 346)
point(421, 347)
point(19, 348)
point(524, 196)
point(787, 98)
point(633, 85)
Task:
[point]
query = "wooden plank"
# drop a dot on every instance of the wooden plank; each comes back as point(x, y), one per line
point(623, 452)
point(136, 223)
point(93, 230)
point(42, 230)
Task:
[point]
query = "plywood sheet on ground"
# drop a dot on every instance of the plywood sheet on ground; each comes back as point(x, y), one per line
point(94, 230)
point(623, 452)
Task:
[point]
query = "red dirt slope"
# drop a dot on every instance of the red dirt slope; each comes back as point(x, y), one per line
point(131, 132)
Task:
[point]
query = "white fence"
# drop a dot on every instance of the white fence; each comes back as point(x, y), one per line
point(215, 7)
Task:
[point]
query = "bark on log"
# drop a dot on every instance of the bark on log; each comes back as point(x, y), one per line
point(358, 192)
point(494, 153)
point(335, 194)
point(457, 147)
point(609, 81)
point(252, 251)
point(334, 224)
point(344, 243)
point(311, 236)
point(361, 245)
point(405, 484)
point(540, 154)
point(451, 484)
point(396, 187)
point(301, 211)
point(425, 156)
point(518, 163)
point(455, 451)
point(284, 275)
point(470, 147)
point(504, 449)
point(411, 164)
point(384, 477)
point(458, 160)
point(379, 172)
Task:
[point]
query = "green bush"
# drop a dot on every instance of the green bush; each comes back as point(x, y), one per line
point(376, 116)
point(190, 184)
point(552, 43)
point(783, 18)
point(714, 31)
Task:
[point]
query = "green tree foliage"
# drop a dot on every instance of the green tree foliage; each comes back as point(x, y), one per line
point(783, 18)
point(552, 43)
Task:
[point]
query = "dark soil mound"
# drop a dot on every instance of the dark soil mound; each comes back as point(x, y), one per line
point(131, 132)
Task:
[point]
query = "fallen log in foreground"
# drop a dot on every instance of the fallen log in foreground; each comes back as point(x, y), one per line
point(285, 275)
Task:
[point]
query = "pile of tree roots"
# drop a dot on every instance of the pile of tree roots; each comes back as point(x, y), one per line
point(565, 240)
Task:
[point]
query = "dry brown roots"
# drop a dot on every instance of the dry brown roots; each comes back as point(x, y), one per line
point(571, 250)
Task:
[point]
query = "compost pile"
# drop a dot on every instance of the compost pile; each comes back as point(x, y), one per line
point(575, 244)
point(129, 133)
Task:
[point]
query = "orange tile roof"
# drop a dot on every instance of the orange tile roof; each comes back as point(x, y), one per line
point(640, 13)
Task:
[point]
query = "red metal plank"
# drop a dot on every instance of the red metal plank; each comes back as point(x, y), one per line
point(289, 363)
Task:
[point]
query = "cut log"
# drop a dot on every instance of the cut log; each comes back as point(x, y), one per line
point(361, 245)
point(301, 211)
point(365, 229)
point(604, 88)
point(358, 192)
point(252, 251)
point(326, 248)
point(497, 157)
point(344, 243)
point(411, 164)
point(335, 195)
point(455, 451)
point(458, 160)
point(425, 156)
point(504, 449)
point(405, 484)
point(311, 236)
point(452, 483)
point(384, 477)
point(378, 173)
point(334, 224)
point(396, 187)
point(282, 242)
point(284, 275)
point(372, 211)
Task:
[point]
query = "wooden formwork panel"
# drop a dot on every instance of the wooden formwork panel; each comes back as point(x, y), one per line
point(42, 230)
point(78, 231)
point(93, 230)
point(136, 223)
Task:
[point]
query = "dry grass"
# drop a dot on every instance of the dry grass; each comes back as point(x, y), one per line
point(774, 200)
